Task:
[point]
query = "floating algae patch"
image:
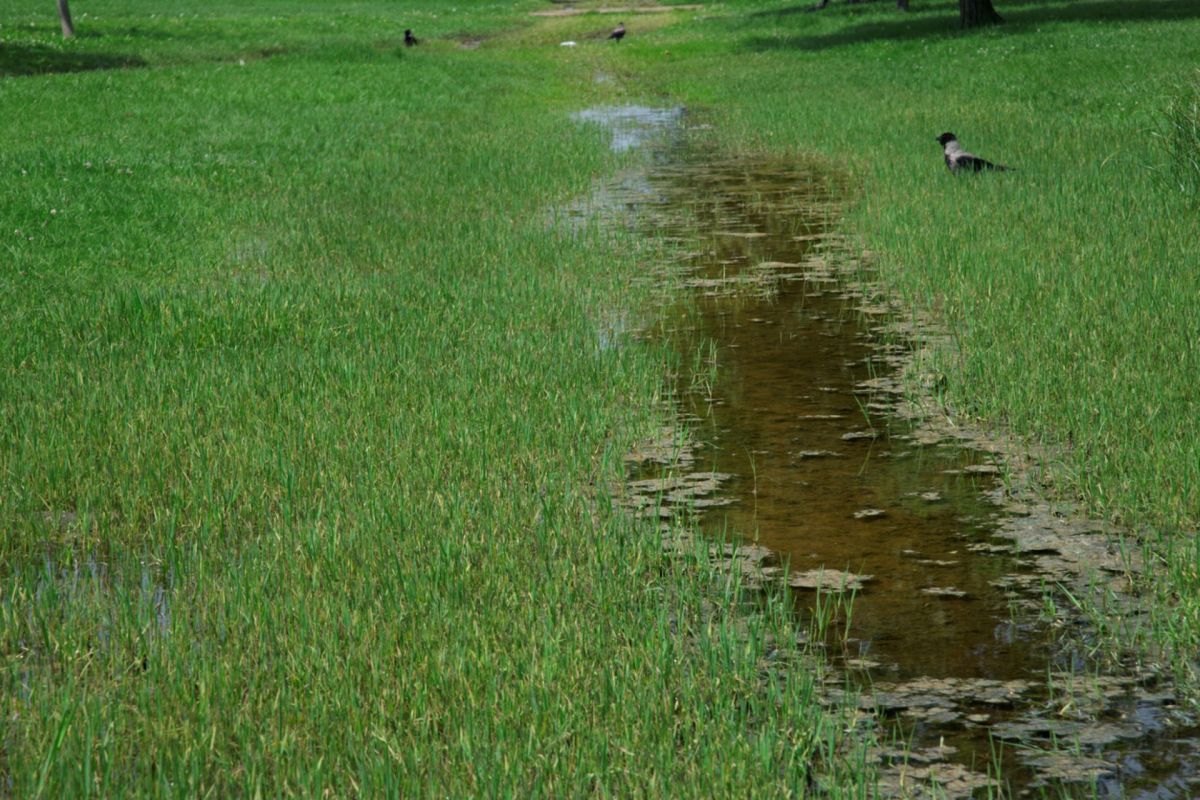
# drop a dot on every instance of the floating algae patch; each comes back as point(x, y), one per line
point(800, 438)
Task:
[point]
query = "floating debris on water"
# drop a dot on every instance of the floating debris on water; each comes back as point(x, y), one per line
point(829, 580)
point(944, 591)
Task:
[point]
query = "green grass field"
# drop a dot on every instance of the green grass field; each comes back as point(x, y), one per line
point(305, 424)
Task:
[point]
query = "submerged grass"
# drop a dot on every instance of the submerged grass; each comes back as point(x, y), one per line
point(306, 428)
point(1070, 285)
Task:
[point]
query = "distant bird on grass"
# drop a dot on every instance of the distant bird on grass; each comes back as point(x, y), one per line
point(959, 160)
point(618, 32)
point(409, 39)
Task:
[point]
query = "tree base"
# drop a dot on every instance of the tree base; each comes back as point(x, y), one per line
point(977, 13)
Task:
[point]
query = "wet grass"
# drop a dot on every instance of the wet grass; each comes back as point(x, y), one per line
point(307, 433)
point(308, 426)
point(1070, 285)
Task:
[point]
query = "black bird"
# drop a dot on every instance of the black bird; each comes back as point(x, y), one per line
point(409, 39)
point(618, 32)
point(959, 160)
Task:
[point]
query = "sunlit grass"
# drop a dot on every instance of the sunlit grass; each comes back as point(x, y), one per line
point(306, 423)
point(307, 430)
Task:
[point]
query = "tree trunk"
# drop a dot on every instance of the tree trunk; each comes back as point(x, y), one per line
point(974, 13)
point(64, 16)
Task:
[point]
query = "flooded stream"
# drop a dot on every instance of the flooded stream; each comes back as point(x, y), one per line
point(802, 447)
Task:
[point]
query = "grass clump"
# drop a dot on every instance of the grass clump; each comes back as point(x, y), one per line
point(1181, 137)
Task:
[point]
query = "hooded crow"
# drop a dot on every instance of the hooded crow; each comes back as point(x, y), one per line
point(618, 32)
point(959, 160)
point(409, 39)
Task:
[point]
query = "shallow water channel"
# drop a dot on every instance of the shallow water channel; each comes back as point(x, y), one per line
point(788, 386)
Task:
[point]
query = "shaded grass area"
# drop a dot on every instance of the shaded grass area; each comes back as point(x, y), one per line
point(307, 430)
point(938, 21)
point(130, 33)
point(1071, 285)
point(39, 58)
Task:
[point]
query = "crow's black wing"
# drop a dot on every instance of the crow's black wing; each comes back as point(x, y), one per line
point(972, 163)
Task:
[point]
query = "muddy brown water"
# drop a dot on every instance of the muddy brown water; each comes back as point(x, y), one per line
point(818, 475)
point(790, 395)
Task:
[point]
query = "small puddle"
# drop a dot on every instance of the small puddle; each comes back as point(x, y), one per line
point(631, 126)
point(800, 442)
